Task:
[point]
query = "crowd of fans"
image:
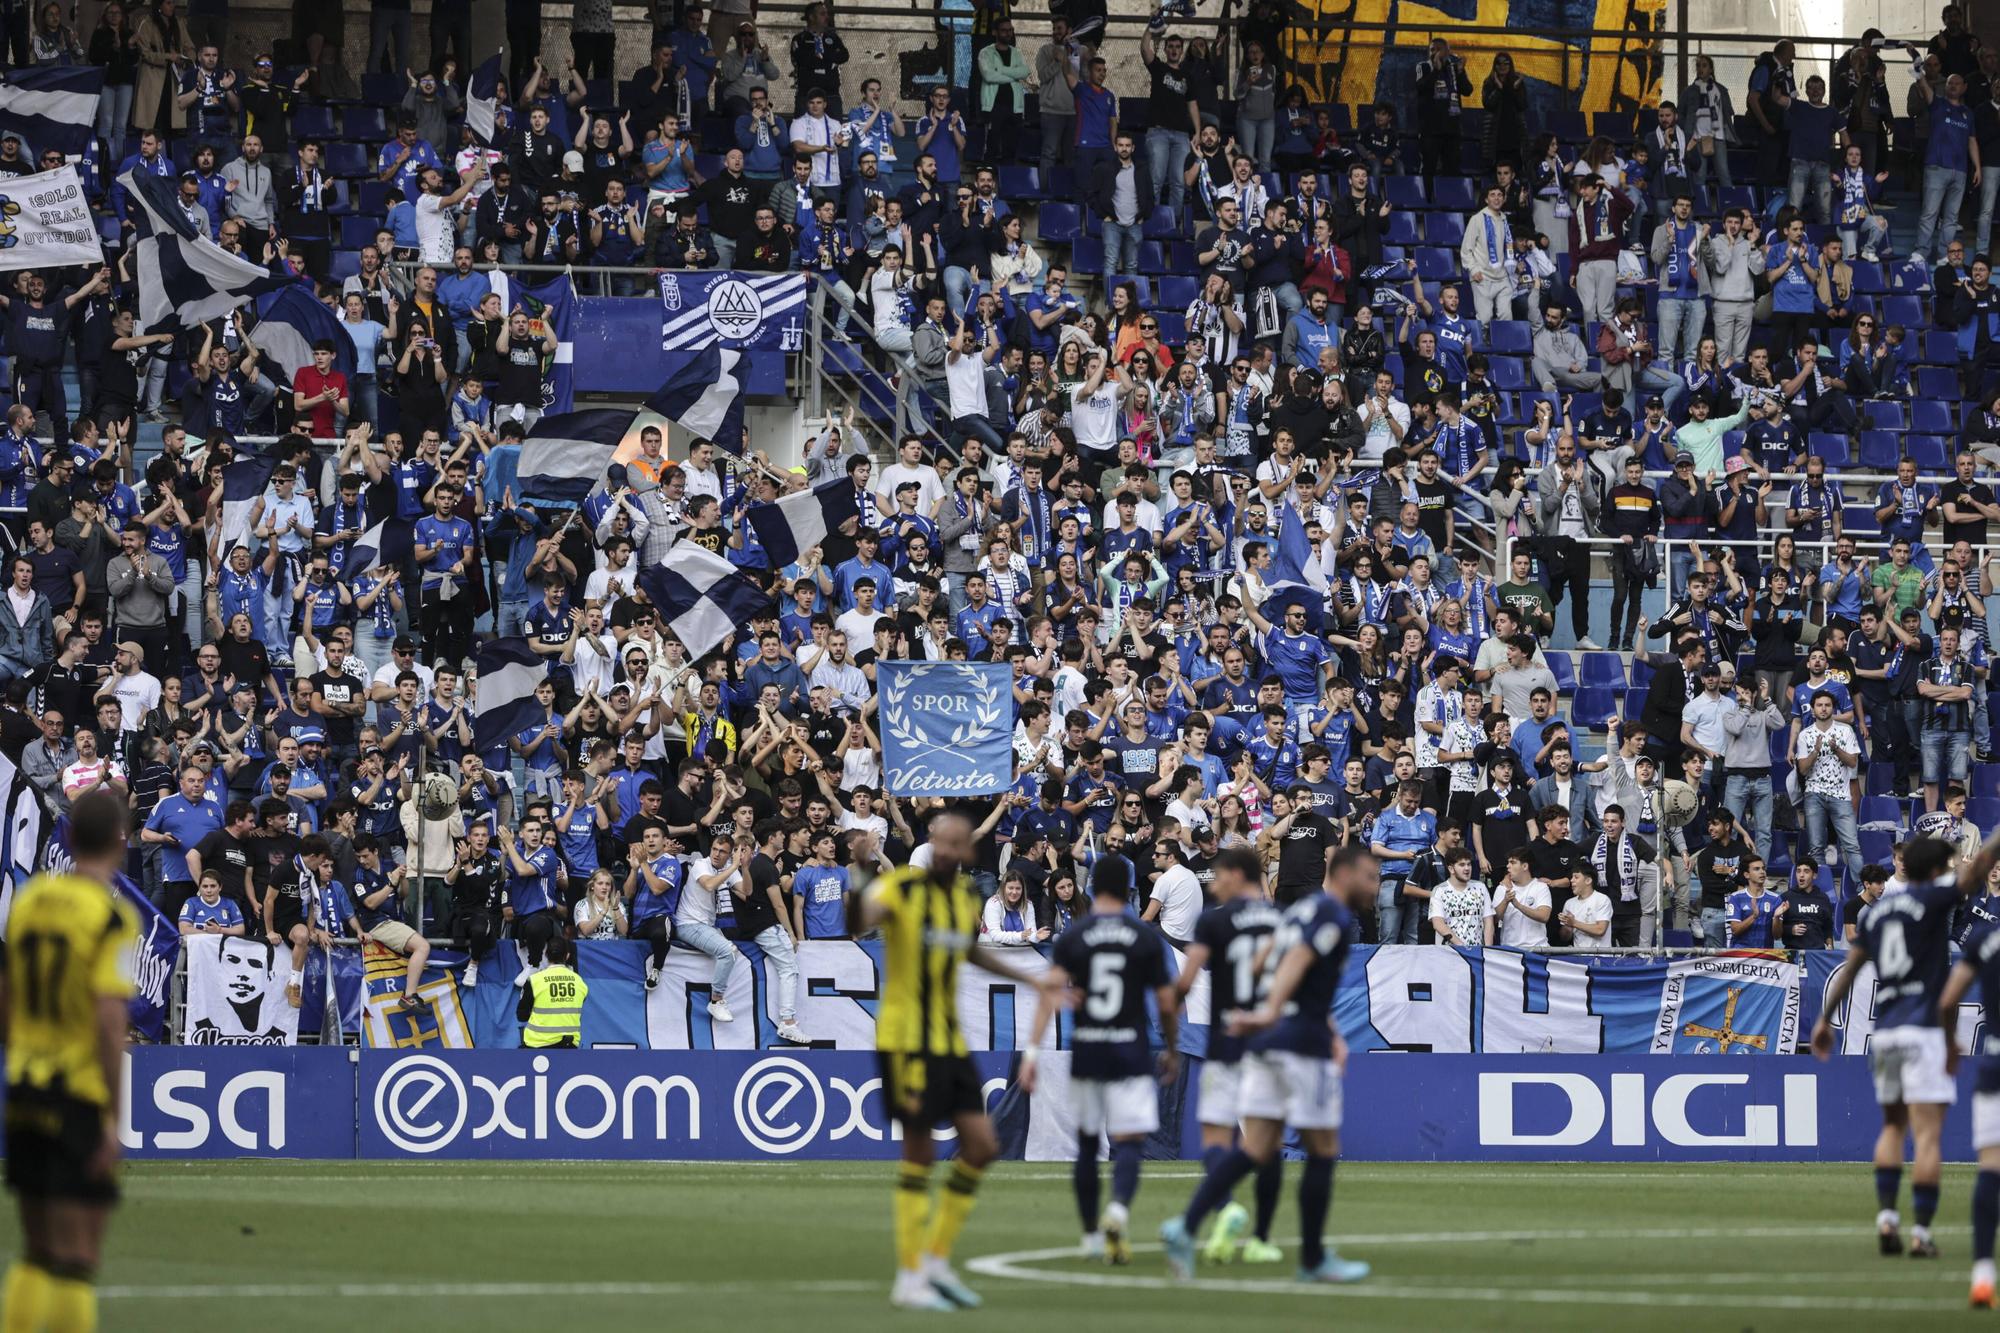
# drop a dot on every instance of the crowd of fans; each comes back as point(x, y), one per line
point(1211, 353)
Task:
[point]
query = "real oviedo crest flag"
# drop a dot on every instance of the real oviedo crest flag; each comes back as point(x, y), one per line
point(947, 728)
point(741, 311)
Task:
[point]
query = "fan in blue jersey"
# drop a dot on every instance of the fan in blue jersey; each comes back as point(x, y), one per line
point(1116, 961)
point(1227, 938)
point(1292, 1068)
point(1907, 936)
point(534, 892)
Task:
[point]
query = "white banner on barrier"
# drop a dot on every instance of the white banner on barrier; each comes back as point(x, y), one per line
point(236, 993)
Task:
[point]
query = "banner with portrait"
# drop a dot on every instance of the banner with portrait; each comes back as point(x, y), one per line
point(236, 993)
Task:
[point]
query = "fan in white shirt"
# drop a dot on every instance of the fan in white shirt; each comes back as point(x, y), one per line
point(1176, 900)
point(1588, 912)
point(1521, 906)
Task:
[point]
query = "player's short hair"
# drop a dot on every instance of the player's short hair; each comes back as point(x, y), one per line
point(1112, 878)
point(1242, 861)
point(1925, 858)
point(558, 950)
point(97, 824)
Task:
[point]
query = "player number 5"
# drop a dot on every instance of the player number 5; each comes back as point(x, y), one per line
point(1107, 987)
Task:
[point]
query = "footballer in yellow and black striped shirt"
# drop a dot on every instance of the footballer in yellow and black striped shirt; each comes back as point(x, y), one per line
point(929, 918)
point(63, 1005)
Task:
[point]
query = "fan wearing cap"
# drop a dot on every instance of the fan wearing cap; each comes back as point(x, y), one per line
point(135, 690)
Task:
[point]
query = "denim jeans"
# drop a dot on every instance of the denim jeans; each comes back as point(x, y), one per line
point(1389, 911)
point(1681, 324)
point(976, 428)
point(512, 612)
point(710, 941)
point(1671, 388)
point(1715, 927)
point(1748, 797)
point(1121, 248)
point(1817, 177)
point(1947, 751)
point(958, 285)
point(1871, 231)
point(1989, 189)
point(1165, 151)
point(1944, 191)
point(1821, 809)
point(114, 116)
point(1255, 138)
point(776, 942)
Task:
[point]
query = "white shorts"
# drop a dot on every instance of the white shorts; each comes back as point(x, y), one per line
point(1118, 1108)
point(1985, 1120)
point(1303, 1091)
point(1221, 1092)
point(1908, 1064)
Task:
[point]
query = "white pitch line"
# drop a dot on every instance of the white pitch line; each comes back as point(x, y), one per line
point(1011, 1266)
point(462, 1290)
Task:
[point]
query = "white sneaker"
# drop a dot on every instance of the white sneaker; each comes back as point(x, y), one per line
point(1092, 1246)
point(1588, 644)
point(914, 1292)
point(471, 977)
point(652, 974)
point(1868, 253)
point(792, 1032)
point(719, 1012)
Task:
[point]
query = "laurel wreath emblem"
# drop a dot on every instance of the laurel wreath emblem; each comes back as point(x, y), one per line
point(989, 707)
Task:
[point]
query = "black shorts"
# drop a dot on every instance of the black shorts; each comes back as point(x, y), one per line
point(50, 1142)
point(926, 1090)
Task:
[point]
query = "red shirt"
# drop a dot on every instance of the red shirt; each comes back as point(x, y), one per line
point(311, 382)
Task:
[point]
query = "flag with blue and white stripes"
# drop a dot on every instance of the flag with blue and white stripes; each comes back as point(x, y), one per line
point(289, 321)
point(705, 398)
point(184, 279)
point(243, 483)
point(566, 453)
point(750, 312)
point(509, 671)
point(700, 598)
point(53, 106)
point(803, 519)
point(482, 101)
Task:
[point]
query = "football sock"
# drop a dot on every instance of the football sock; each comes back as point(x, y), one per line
point(961, 1186)
point(1924, 1199)
point(72, 1306)
point(1315, 1198)
point(1888, 1184)
point(1985, 1213)
point(1215, 1187)
point(1211, 1155)
point(913, 1205)
point(1270, 1183)
point(1125, 1170)
point(24, 1298)
point(1083, 1174)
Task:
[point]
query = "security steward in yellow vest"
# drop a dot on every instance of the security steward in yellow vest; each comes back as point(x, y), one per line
point(551, 1005)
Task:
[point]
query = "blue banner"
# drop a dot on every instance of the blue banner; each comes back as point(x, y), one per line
point(315, 1102)
point(947, 728)
point(551, 310)
point(762, 312)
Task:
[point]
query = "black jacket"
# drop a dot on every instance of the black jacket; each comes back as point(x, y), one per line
point(1104, 179)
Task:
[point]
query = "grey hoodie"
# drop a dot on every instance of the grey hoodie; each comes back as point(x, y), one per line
point(1732, 266)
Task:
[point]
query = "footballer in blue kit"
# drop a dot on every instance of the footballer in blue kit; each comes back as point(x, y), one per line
point(1292, 1065)
point(1116, 961)
point(1907, 936)
point(1227, 940)
point(1980, 967)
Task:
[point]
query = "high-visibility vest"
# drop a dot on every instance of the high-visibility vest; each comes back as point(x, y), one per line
point(558, 1011)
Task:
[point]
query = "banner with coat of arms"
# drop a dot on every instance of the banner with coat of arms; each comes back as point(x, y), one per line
point(745, 312)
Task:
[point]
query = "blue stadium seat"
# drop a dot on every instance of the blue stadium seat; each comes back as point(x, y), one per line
point(368, 122)
point(1876, 849)
point(344, 264)
point(1404, 191)
point(1403, 230)
point(1880, 451)
point(1567, 125)
point(312, 121)
point(1511, 337)
point(1152, 257)
point(1880, 779)
point(1562, 669)
point(357, 230)
point(1882, 810)
point(380, 90)
point(1613, 125)
point(1933, 382)
point(1509, 372)
point(1905, 310)
point(1139, 281)
point(1454, 192)
point(371, 196)
point(1934, 415)
point(1592, 708)
point(1885, 414)
point(1178, 293)
point(1160, 224)
point(1931, 454)
point(1602, 671)
point(1983, 811)
point(1436, 263)
point(1833, 448)
point(1860, 520)
point(1087, 255)
point(1020, 183)
point(1985, 780)
point(1059, 223)
point(1868, 278)
point(348, 159)
point(1635, 702)
point(1444, 228)
point(1940, 348)
point(1173, 324)
point(1642, 672)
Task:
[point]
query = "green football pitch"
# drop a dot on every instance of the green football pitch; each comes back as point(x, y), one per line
point(589, 1246)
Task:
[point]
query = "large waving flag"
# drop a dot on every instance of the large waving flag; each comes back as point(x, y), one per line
point(482, 101)
point(509, 671)
point(243, 481)
point(699, 596)
point(184, 279)
point(705, 398)
point(1296, 576)
point(289, 321)
point(385, 546)
point(566, 453)
point(52, 106)
point(802, 520)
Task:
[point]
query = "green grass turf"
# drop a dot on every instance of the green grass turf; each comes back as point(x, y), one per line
point(353, 1246)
